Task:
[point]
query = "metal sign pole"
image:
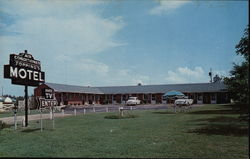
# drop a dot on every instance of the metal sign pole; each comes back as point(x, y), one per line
point(15, 119)
point(53, 120)
point(26, 105)
point(41, 119)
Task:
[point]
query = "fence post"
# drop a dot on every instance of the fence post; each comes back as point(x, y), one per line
point(23, 121)
point(131, 108)
point(63, 112)
point(50, 113)
point(41, 122)
point(84, 111)
point(107, 109)
point(15, 121)
point(75, 111)
point(94, 109)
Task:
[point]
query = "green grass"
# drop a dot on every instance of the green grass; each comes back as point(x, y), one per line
point(212, 131)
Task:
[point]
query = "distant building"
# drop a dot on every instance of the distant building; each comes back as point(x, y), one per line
point(1, 103)
point(6, 103)
point(207, 93)
point(31, 103)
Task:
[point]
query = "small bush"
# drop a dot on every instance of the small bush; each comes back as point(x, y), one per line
point(120, 117)
point(4, 125)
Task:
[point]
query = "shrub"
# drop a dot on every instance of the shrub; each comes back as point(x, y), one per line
point(4, 125)
point(120, 117)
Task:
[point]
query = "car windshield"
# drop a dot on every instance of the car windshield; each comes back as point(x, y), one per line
point(132, 98)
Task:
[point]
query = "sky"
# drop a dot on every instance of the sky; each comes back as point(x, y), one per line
point(122, 42)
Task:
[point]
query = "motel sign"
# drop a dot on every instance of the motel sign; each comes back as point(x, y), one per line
point(23, 69)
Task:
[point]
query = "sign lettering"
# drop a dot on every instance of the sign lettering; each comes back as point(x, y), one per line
point(47, 102)
point(48, 93)
point(23, 69)
point(22, 73)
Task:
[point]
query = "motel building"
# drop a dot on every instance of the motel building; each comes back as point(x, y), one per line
point(201, 93)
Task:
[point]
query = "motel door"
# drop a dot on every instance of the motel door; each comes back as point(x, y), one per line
point(206, 98)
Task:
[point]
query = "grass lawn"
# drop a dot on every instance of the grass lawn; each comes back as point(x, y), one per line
point(212, 131)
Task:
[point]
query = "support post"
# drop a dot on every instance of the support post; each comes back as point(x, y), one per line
point(53, 118)
point(107, 109)
point(84, 111)
point(26, 105)
point(15, 122)
point(51, 113)
point(41, 119)
point(75, 111)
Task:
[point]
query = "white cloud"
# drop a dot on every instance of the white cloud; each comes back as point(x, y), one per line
point(123, 72)
point(186, 75)
point(167, 6)
point(125, 77)
point(65, 8)
point(197, 72)
point(87, 34)
point(60, 27)
point(63, 35)
point(92, 66)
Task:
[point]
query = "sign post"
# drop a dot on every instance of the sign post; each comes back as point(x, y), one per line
point(41, 119)
point(48, 100)
point(15, 119)
point(26, 105)
point(23, 69)
point(53, 120)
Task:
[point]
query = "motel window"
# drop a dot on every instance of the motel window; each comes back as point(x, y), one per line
point(199, 96)
point(114, 97)
point(146, 96)
point(153, 96)
point(191, 96)
point(123, 97)
point(213, 96)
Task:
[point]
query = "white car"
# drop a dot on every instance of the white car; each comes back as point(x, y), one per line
point(183, 102)
point(133, 101)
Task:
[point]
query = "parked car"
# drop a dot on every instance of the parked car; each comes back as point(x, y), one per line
point(133, 101)
point(183, 102)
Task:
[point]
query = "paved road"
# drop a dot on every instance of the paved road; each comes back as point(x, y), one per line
point(90, 109)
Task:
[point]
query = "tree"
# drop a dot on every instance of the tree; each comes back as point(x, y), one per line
point(238, 83)
point(217, 79)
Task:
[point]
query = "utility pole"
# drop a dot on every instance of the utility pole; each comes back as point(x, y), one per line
point(211, 75)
